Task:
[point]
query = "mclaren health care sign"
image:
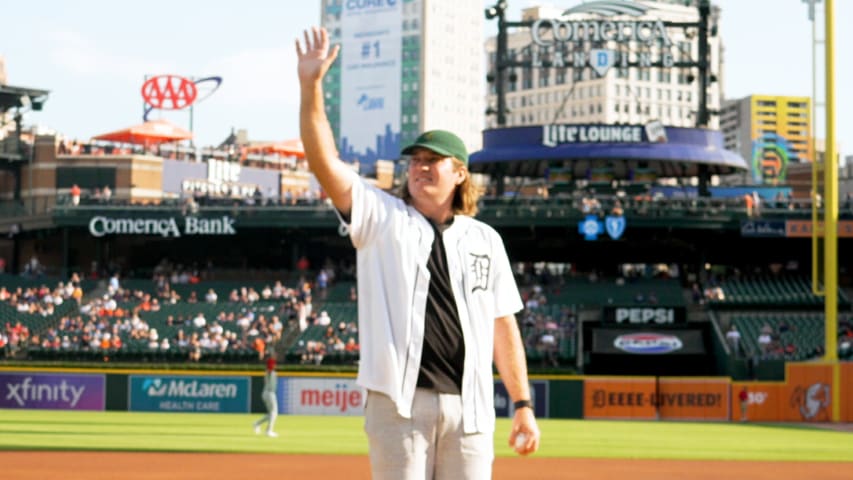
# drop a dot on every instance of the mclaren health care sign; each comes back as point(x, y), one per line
point(186, 393)
point(371, 78)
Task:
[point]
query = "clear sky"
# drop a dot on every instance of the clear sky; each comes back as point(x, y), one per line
point(93, 56)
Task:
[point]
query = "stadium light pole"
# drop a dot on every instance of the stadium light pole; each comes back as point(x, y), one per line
point(817, 280)
point(830, 238)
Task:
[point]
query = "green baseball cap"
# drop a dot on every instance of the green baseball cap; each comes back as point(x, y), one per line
point(441, 142)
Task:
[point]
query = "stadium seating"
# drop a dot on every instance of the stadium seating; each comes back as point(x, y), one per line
point(805, 331)
point(782, 291)
point(582, 292)
point(338, 312)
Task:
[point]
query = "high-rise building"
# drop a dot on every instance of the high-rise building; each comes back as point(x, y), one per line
point(770, 132)
point(405, 66)
point(602, 65)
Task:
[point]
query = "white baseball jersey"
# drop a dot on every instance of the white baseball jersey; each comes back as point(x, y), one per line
point(394, 242)
point(269, 381)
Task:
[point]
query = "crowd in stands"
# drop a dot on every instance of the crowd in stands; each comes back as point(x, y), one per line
point(167, 318)
point(547, 332)
point(39, 302)
point(181, 315)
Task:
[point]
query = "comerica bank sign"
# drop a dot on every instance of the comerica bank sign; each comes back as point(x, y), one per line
point(165, 227)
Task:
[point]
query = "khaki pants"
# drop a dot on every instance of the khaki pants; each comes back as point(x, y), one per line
point(430, 445)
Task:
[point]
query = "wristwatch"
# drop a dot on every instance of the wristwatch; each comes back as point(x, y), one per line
point(522, 404)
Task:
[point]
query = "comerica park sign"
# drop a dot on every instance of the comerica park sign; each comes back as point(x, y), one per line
point(165, 227)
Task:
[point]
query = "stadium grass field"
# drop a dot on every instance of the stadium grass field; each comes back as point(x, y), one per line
point(232, 433)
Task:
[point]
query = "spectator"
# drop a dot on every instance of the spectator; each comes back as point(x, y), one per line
point(749, 202)
point(75, 195)
point(210, 296)
point(199, 321)
point(756, 204)
point(114, 283)
point(322, 282)
point(733, 337)
point(764, 341)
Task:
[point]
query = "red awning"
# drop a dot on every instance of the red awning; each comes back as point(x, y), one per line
point(153, 132)
point(288, 147)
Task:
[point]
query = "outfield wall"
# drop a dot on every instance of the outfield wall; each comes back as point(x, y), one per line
point(804, 396)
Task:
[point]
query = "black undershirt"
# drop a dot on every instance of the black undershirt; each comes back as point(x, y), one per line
point(443, 355)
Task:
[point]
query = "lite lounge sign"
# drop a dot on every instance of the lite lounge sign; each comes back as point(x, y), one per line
point(553, 36)
point(165, 227)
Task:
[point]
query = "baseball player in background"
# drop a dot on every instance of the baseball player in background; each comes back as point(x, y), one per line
point(436, 301)
point(269, 397)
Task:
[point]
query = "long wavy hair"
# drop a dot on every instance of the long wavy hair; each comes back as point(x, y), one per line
point(465, 197)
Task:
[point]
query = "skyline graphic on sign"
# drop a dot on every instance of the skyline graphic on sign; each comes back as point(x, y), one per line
point(371, 67)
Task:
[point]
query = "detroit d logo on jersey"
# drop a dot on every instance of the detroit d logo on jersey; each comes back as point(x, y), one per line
point(480, 266)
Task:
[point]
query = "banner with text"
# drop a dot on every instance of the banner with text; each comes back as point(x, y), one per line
point(167, 393)
point(370, 80)
point(52, 391)
point(320, 396)
point(804, 396)
point(647, 342)
point(803, 228)
point(643, 316)
point(647, 398)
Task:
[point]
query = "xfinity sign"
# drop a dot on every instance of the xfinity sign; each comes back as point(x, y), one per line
point(52, 391)
point(165, 227)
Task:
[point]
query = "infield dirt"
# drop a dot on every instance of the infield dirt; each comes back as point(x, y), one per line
point(19, 465)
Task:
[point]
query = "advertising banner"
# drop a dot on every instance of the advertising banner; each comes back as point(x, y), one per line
point(52, 391)
point(763, 228)
point(647, 342)
point(341, 396)
point(804, 396)
point(647, 398)
point(371, 71)
point(320, 396)
point(538, 394)
point(623, 397)
point(846, 391)
point(689, 399)
point(167, 393)
point(803, 228)
point(655, 316)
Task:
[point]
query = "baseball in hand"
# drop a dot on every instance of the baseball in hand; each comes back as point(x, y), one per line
point(520, 441)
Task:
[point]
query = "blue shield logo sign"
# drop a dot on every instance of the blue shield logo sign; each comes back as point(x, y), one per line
point(601, 60)
point(615, 226)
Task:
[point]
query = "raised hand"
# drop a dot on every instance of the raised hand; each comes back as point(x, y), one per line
point(315, 58)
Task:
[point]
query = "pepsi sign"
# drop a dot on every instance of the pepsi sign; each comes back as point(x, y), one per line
point(648, 343)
